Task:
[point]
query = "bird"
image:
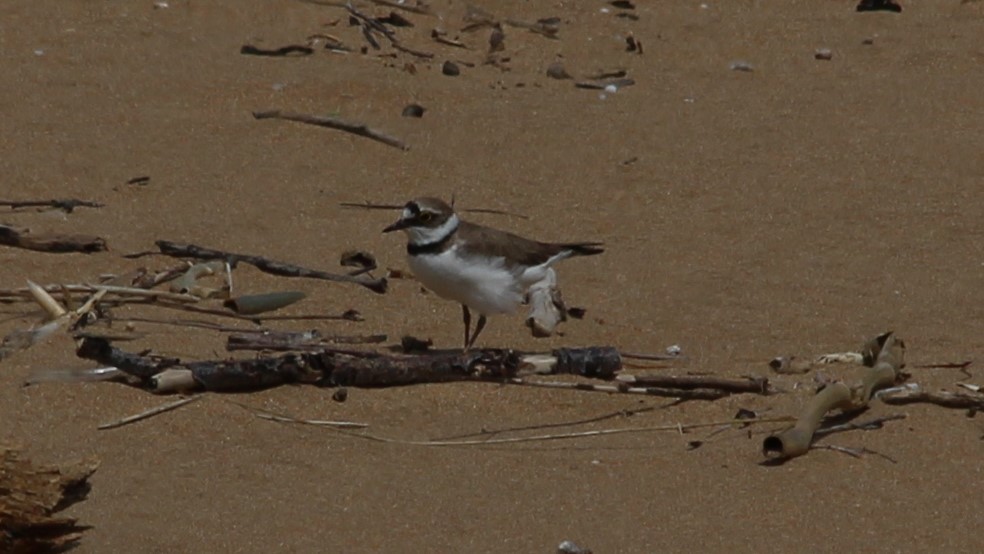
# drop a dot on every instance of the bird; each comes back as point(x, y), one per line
point(486, 270)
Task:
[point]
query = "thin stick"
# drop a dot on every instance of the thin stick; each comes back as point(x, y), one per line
point(862, 426)
point(266, 265)
point(947, 365)
point(360, 129)
point(25, 292)
point(682, 394)
point(612, 415)
point(538, 438)
point(853, 452)
point(652, 357)
point(370, 206)
point(188, 323)
point(315, 422)
point(422, 10)
point(150, 413)
point(350, 315)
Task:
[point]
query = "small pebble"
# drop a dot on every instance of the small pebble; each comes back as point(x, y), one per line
point(39, 52)
point(823, 54)
point(868, 41)
point(556, 71)
point(611, 89)
point(741, 65)
point(340, 395)
point(450, 69)
point(278, 86)
point(568, 547)
point(414, 110)
point(674, 350)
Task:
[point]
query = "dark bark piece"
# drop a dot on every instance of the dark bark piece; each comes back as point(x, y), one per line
point(291, 50)
point(600, 85)
point(31, 495)
point(180, 250)
point(757, 385)
point(879, 5)
point(51, 242)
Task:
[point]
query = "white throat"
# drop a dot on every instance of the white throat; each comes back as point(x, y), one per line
point(425, 235)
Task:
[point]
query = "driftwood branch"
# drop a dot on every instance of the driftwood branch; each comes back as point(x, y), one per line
point(50, 242)
point(336, 367)
point(67, 205)
point(883, 357)
point(360, 129)
point(755, 385)
point(181, 250)
point(32, 496)
point(957, 400)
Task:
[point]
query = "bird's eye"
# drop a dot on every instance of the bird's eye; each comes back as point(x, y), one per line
point(426, 217)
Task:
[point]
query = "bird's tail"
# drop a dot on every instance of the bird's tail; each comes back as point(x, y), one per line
point(585, 248)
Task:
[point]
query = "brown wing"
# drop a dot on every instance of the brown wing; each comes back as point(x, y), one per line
point(496, 243)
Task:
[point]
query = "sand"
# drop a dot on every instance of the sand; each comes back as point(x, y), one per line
point(799, 208)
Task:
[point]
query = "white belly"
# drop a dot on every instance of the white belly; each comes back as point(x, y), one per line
point(486, 287)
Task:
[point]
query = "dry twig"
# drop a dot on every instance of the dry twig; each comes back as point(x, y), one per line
point(181, 250)
point(149, 413)
point(360, 129)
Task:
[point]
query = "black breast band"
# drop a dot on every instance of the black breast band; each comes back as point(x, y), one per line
point(435, 247)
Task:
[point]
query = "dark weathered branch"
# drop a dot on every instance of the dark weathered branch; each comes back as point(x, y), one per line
point(180, 250)
point(50, 242)
point(756, 385)
point(335, 367)
point(67, 205)
point(360, 129)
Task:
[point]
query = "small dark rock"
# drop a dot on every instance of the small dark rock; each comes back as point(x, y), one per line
point(497, 40)
point(576, 313)
point(411, 345)
point(879, 6)
point(358, 258)
point(395, 20)
point(340, 395)
point(623, 4)
point(556, 71)
point(142, 181)
point(450, 69)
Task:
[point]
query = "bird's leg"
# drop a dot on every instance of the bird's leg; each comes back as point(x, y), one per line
point(478, 330)
point(466, 317)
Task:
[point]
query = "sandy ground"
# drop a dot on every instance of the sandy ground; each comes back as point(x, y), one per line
point(798, 208)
